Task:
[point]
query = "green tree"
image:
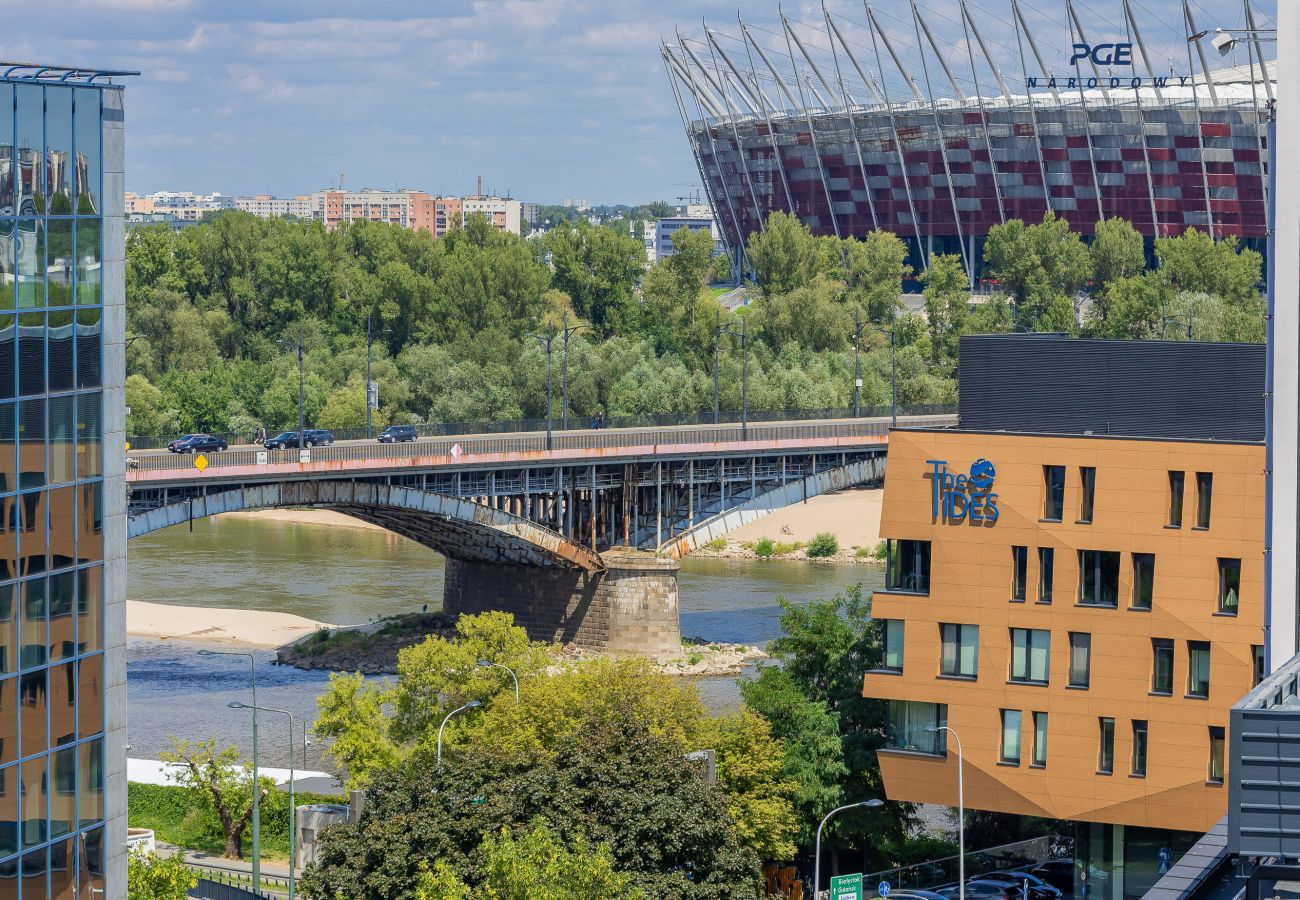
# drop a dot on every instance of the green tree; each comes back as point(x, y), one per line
point(810, 316)
point(153, 877)
point(599, 269)
point(947, 307)
point(220, 780)
point(876, 268)
point(783, 254)
point(1117, 252)
point(1042, 267)
point(1195, 262)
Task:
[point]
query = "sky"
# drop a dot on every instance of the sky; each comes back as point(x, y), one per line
point(546, 99)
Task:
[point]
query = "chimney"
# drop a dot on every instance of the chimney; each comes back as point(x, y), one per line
point(480, 187)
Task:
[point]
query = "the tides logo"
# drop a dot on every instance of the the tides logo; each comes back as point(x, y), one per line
point(963, 498)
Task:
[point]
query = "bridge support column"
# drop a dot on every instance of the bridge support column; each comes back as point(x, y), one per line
point(631, 607)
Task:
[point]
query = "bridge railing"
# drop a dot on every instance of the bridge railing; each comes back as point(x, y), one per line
point(536, 443)
point(584, 423)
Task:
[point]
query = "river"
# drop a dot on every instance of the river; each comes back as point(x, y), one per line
point(350, 575)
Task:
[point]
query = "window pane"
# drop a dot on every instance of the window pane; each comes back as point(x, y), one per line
point(34, 797)
point(1139, 747)
point(1176, 499)
point(1144, 575)
point(894, 644)
point(90, 433)
point(1229, 585)
point(63, 449)
point(1011, 735)
point(9, 792)
point(970, 650)
point(1080, 651)
point(63, 525)
point(1162, 670)
point(35, 614)
point(90, 600)
point(58, 149)
point(912, 724)
point(63, 704)
point(7, 263)
point(87, 169)
point(1046, 557)
point(909, 566)
point(35, 877)
point(89, 359)
point(31, 354)
point(1087, 485)
point(1054, 491)
point(1019, 565)
point(33, 543)
point(90, 522)
point(1204, 493)
point(29, 262)
point(63, 795)
point(1106, 750)
point(88, 257)
point(1039, 653)
point(60, 343)
point(7, 156)
point(1216, 754)
point(31, 148)
point(90, 682)
point(1198, 668)
point(8, 630)
point(35, 711)
point(8, 722)
point(1257, 657)
point(1040, 738)
point(90, 774)
point(59, 262)
point(62, 625)
point(63, 870)
point(8, 356)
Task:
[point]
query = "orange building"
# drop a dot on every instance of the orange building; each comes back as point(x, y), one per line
point(1081, 610)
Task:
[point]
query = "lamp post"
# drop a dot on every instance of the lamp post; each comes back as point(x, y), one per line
point(369, 406)
point(892, 331)
point(730, 328)
point(473, 704)
point(302, 419)
point(548, 341)
point(487, 664)
point(293, 812)
point(961, 813)
point(257, 814)
point(564, 403)
point(858, 325)
point(817, 853)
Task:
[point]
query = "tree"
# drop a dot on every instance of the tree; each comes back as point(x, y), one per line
point(153, 877)
point(599, 269)
point(221, 780)
point(1041, 267)
point(947, 307)
point(783, 254)
point(811, 316)
point(534, 866)
point(1195, 262)
point(1117, 252)
point(876, 267)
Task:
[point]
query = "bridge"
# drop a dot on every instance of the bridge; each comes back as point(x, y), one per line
point(580, 541)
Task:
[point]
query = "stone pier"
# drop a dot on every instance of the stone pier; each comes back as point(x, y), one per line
point(631, 607)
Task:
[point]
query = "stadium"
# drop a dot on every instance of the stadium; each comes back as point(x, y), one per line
point(937, 126)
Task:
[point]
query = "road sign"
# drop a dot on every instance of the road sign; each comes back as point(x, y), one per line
point(846, 887)
point(262, 457)
point(372, 395)
point(304, 455)
point(455, 451)
point(200, 462)
point(883, 889)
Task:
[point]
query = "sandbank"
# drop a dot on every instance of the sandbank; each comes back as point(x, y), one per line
point(246, 627)
point(853, 516)
point(302, 517)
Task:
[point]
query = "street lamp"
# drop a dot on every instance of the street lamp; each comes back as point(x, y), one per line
point(548, 341)
point(487, 664)
point(257, 815)
point(892, 331)
point(961, 812)
point(473, 704)
point(370, 407)
point(730, 328)
point(564, 404)
point(817, 853)
point(293, 812)
point(858, 325)
point(302, 419)
point(1166, 321)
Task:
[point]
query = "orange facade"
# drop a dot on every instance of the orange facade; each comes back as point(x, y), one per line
point(1071, 606)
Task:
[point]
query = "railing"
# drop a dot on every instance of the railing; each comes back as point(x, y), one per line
point(938, 872)
point(210, 888)
point(584, 423)
point(536, 443)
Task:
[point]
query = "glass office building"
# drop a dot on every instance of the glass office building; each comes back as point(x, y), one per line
point(58, 128)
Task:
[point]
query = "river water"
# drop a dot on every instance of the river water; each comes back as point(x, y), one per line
point(350, 575)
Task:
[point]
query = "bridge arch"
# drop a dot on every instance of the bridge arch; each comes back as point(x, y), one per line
point(783, 495)
point(456, 528)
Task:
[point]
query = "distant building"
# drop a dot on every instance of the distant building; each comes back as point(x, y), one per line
point(266, 206)
point(409, 209)
point(665, 228)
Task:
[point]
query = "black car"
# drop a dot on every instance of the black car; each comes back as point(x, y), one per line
point(1059, 873)
point(979, 889)
point(1034, 887)
point(283, 441)
point(396, 434)
point(911, 894)
point(319, 437)
point(197, 443)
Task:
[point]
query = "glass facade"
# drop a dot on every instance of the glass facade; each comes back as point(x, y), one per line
point(1118, 862)
point(52, 664)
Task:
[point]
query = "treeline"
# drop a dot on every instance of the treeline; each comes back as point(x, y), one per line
point(215, 311)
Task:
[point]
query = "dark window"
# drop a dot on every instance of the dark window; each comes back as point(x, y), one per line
point(1106, 746)
point(1098, 577)
point(1045, 559)
point(1144, 579)
point(960, 656)
point(1162, 666)
point(1257, 662)
point(1139, 747)
point(1229, 585)
point(1080, 659)
point(1087, 485)
point(1216, 754)
point(1176, 499)
point(1019, 570)
point(1053, 492)
point(1011, 736)
point(1030, 649)
point(909, 566)
point(893, 635)
point(1198, 668)
point(1204, 492)
point(1040, 739)
point(917, 727)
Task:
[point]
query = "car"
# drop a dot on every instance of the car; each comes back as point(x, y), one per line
point(319, 437)
point(283, 441)
point(979, 889)
point(197, 443)
point(910, 894)
point(1034, 887)
point(1059, 873)
point(396, 434)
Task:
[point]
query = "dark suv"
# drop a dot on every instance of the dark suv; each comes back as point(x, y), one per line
point(287, 440)
point(395, 434)
point(197, 443)
point(282, 441)
point(319, 436)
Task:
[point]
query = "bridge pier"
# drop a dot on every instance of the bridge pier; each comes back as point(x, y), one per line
point(631, 607)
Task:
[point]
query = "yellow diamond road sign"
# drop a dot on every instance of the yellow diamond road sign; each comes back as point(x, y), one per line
point(200, 462)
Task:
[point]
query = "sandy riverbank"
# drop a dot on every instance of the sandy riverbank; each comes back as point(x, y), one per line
point(302, 517)
point(853, 516)
point(245, 627)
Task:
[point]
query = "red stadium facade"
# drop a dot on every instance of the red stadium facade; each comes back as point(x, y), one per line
point(939, 153)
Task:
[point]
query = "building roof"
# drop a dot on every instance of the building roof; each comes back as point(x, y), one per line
point(51, 74)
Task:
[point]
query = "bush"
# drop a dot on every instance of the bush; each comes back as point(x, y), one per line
point(824, 544)
point(881, 552)
point(863, 552)
point(716, 545)
point(787, 549)
point(765, 547)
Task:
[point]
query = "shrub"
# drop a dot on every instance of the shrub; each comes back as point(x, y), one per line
point(716, 545)
point(881, 552)
point(824, 544)
point(787, 549)
point(765, 547)
point(863, 552)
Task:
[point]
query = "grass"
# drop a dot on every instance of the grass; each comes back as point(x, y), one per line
point(787, 549)
point(322, 640)
point(716, 545)
point(695, 659)
point(719, 291)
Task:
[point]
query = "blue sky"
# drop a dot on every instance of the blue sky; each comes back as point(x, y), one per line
point(546, 99)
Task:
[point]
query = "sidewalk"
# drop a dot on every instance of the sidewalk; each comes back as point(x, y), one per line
point(275, 875)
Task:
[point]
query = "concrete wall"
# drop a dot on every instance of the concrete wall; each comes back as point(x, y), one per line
point(631, 607)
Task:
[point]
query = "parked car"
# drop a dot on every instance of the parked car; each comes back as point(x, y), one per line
point(319, 437)
point(283, 441)
point(916, 895)
point(1034, 887)
point(979, 889)
point(396, 434)
point(197, 443)
point(1059, 873)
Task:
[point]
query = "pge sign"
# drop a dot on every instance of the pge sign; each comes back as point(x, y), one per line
point(958, 497)
point(1103, 54)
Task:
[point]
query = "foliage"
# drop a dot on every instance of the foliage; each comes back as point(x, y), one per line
point(220, 781)
point(1041, 267)
point(824, 544)
point(153, 877)
point(534, 866)
point(765, 547)
point(947, 307)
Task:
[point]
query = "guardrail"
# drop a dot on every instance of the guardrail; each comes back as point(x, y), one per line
point(938, 872)
point(536, 443)
point(584, 423)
